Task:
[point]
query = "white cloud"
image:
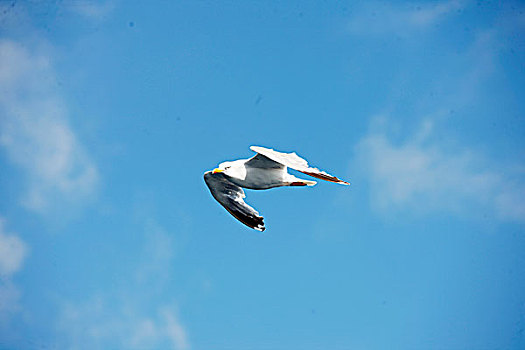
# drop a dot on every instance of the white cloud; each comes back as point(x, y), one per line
point(134, 315)
point(103, 322)
point(401, 18)
point(9, 295)
point(428, 14)
point(418, 171)
point(13, 252)
point(94, 10)
point(154, 267)
point(174, 330)
point(419, 174)
point(35, 132)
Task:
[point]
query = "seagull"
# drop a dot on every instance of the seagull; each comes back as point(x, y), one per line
point(267, 169)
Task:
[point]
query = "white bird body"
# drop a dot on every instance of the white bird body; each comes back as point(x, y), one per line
point(258, 178)
point(267, 169)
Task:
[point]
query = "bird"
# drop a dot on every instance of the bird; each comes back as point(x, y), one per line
point(267, 169)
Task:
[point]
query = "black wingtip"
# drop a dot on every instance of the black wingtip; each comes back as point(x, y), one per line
point(259, 224)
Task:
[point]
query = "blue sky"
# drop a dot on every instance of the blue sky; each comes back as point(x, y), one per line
point(110, 112)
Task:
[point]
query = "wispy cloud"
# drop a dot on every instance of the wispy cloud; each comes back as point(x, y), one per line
point(154, 265)
point(90, 9)
point(401, 18)
point(419, 174)
point(13, 252)
point(136, 316)
point(102, 323)
point(174, 330)
point(35, 132)
point(418, 171)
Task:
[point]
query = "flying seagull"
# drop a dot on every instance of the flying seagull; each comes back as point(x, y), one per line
point(267, 169)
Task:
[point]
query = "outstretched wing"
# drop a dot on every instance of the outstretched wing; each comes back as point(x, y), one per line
point(263, 162)
point(230, 196)
point(293, 161)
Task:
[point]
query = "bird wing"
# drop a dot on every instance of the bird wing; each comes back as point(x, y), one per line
point(293, 161)
point(261, 161)
point(230, 196)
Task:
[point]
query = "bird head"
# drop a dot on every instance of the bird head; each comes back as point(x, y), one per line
point(222, 167)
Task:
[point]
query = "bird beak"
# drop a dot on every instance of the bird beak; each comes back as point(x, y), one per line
point(217, 170)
